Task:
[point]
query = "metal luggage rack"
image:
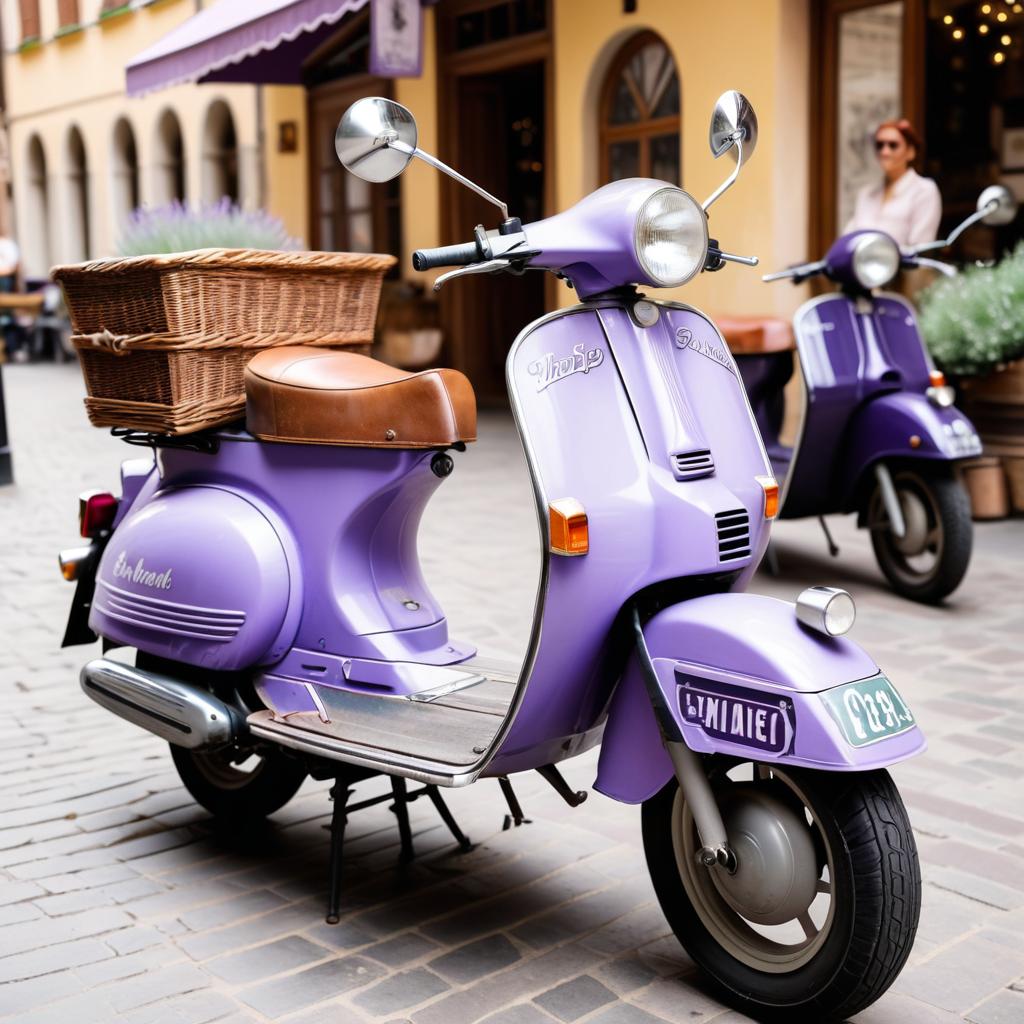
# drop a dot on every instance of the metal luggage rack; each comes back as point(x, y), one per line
point(206, 442)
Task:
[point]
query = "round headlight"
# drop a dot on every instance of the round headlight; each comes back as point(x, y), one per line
point(671, 237)
point(829, 610)
point(876, 260)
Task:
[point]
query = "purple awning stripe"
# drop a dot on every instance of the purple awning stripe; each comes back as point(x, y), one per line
point(228, 33)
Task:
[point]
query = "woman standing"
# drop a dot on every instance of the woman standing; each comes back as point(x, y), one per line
point(903, 204)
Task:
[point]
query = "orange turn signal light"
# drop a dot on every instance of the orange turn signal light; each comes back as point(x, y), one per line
point(567, 521)
point(770, 486)
point(937, 378)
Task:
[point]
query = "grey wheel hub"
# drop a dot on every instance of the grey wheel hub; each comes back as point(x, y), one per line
point(776, 874)
point(915, 517)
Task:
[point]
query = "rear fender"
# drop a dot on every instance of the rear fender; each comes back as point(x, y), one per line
point(884, 426)
point(763, 674)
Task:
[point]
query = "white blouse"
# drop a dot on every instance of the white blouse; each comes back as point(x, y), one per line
point(911, 214)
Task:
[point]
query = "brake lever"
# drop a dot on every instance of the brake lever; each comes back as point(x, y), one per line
point(487, 267)
point(946, 269)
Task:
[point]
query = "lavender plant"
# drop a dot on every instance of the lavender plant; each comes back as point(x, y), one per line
point(974, 323)
point(223, 225)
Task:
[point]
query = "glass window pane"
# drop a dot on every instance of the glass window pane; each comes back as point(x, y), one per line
point(665, 158)
point(868, 83)
point(357, 193)
point(327, 190)
point(668, 101)
point(327, 242)
point(623, 160)
point(624, 109)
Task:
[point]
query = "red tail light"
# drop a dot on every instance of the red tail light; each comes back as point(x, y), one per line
point(96, 512)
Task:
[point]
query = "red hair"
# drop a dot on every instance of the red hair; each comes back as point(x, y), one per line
point(906, 129)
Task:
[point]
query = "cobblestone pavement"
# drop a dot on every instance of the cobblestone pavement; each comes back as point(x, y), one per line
point(121, 901)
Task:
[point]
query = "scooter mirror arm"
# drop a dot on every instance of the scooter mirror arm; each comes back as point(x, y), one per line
point(957, 231)
point(450, 171)
point(799, 273)
point(716, 257)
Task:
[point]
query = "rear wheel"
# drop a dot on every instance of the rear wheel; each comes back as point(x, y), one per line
point(239, 785)
point(820, 915)
point(928, 562)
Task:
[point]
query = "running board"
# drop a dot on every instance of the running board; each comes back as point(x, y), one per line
point(264, 725)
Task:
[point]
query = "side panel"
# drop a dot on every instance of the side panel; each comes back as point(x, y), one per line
point(744, 678)
point(604, 407)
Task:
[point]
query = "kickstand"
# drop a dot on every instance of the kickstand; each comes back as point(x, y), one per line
point(516, 816)
point(833, 547)
point(573, 797)
point(446, 816)
point(339, 819)
point(771, 560)
point(401, 809)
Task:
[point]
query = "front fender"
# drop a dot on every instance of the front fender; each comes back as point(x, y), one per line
point(766, 674)
point(882, 429)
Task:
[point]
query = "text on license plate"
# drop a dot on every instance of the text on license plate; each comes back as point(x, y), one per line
point(868, 710)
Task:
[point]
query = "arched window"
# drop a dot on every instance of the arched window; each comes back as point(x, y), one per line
point(38, 256)
point(220, 154)
point(78, 224)
point(124, 172)
point(169, 160)
point(640, 123)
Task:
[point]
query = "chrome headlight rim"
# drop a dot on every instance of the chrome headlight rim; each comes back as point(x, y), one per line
point(830, 611)
point(872, 240)
point(656, 280)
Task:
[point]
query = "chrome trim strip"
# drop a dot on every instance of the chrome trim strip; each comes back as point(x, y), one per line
point(261, 724)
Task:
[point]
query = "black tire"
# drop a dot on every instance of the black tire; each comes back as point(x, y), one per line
point(874, 901)
point(948, 511)
point(228, 792)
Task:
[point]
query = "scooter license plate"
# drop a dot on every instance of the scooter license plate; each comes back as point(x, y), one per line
point(868, 710)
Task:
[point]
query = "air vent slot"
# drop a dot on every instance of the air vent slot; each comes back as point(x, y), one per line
point(691, 465)
point(733, 534)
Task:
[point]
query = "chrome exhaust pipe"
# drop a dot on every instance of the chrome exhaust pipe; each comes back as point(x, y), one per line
point(174, 710)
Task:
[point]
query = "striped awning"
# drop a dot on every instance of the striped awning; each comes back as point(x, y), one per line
point(239, 41)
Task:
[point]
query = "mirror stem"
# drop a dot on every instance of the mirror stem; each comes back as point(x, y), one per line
point(942, 243)
point(445, 169)
point(729, 182)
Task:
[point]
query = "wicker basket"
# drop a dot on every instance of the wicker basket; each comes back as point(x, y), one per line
point(163, 340)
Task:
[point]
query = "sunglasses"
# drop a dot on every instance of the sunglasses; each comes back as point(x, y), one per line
point(881, 144)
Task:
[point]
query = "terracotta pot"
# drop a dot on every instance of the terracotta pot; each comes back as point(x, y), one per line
point(412, 349)
point(986, 484)
point(995, 404)
point(1013, 465)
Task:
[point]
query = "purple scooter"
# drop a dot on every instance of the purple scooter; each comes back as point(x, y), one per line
point(268, 579)
point(880, 435)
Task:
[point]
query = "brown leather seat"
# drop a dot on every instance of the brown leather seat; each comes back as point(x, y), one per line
point(318, 396)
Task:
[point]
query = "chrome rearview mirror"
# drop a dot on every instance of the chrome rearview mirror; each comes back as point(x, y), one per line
point(734, 131)
point(376, 139)
point(998, 205)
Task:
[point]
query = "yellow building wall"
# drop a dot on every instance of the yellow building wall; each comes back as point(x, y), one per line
point(756, 46)
point(287, 174)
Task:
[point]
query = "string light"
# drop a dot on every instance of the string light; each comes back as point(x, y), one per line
point(983, 29)
point(1001, 16)
point(958, 33)
point(998, 57)
point(986, 8)
point(1005, 40)
point(948, 19)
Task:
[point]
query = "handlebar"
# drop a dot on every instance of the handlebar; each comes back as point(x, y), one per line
point(458, 255)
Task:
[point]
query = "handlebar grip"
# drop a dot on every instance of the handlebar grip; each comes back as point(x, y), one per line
point(447, 256)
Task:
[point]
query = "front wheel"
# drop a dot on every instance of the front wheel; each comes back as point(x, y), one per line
point(820, 914)
point(928, 562)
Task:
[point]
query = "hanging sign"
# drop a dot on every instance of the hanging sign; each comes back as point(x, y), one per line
point(396, 38)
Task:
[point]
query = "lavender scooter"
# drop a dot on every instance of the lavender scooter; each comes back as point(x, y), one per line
point(880, 435)
point(273, 592)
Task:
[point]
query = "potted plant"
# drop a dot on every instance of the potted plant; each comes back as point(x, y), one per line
point(973, 325)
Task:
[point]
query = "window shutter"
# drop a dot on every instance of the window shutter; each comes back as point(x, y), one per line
point(67, 12)
point(29, 19)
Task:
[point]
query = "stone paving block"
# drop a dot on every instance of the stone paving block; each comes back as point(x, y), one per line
point(407, 988)
point(156, 985)
point(474, 960)
point(524, 1013)
point(626, 973)
point(191, 1008)
point(131, 965)
point(962, 975)
point(22, 996)
point(36, 934)
point(983, 891)
point(625, 1013)
point(402, 949)
point(231, 910)
point(1006, 1007)
point(576, 998)
point(265, 961)
point(296, 991)
point(49, 959)
point(203, 945)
